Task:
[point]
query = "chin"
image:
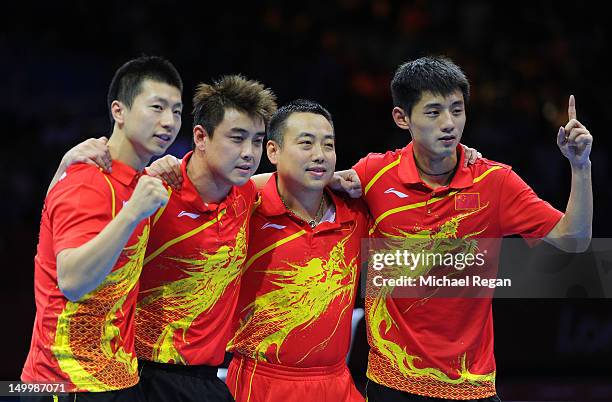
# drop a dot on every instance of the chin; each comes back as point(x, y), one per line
point(446, 152)
point(159, 151)
point(316, 185)
point(240, 181)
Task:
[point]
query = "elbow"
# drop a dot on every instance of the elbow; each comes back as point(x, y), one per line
point(583, 241)
point(67, 283)
point(570, 238)
point(583, 245)
point(69, 289)
point(576, 245)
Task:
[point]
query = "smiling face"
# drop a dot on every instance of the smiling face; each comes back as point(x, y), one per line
point(436, 124)
point(154, 119)
point(233, 152)
point(307, 157)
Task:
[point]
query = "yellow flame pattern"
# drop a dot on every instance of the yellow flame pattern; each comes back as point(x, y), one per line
point(100, 365)
point(304, 293)
point(174, 306)
point(380, 321)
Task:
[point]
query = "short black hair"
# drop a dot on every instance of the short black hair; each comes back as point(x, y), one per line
point(436, 74)
point(277, 122)
point(128, 79)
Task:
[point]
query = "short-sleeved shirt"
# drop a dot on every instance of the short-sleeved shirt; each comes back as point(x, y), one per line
point(191, 276)
point(299, 285)
point(88, 344)
point(441, 347)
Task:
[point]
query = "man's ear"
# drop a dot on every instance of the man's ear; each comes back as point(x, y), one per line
point(273, 149)
point(200, 138)
point(400, 118)
point(118, 112)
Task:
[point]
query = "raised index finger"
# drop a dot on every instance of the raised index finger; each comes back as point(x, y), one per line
point(571, 108)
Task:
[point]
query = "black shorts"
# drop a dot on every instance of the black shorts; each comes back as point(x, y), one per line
point(379, 393)
point(179, 383)
point(133, 394)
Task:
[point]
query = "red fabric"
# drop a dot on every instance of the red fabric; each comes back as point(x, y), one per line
point(256, 381)
point(75, 211)
point(191, 277)
point(424, 345)
point(299, 286)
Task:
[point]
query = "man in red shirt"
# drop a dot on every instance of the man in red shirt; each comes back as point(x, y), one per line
point(435, 349)
point(197, 246)
point(93, 235)
point(301, 272)
point(191, 276)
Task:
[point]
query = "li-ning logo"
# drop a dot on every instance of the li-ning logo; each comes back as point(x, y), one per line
point(189, 214)
point(273, 225)
point(394, 191)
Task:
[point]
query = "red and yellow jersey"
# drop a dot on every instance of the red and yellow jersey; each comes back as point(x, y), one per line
point(441, 347)
point(88, 344)
point(191, 276)
point(299, 285)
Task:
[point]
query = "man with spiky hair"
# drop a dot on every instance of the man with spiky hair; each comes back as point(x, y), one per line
point(191, 274)
point(93, 235)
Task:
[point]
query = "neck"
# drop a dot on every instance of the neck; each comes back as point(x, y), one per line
point(123, 150)
point(209, 187)
point(435, 170)
point(306, 203)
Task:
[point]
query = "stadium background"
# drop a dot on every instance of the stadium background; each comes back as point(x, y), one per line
point(523, 60)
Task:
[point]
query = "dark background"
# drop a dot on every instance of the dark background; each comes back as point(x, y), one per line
point(523, 61)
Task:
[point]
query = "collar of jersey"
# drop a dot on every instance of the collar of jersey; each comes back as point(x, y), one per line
point(409, 174)
point(272, 205)
point(124, 173)
point(190, 195)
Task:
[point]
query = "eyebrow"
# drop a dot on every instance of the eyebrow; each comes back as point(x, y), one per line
point(439, 105)
point(326, 137)
point(243, 131)
point(165, 101)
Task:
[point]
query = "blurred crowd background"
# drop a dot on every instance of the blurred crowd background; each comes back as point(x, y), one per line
point(523, 60)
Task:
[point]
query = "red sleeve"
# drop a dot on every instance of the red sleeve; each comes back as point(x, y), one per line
point(522, 212)
point(79, 210)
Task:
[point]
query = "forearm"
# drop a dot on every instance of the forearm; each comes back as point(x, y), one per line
point(82, 269)
point(573, 232)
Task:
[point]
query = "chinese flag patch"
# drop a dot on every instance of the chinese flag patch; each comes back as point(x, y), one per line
point(239, 205)
point(467, 201)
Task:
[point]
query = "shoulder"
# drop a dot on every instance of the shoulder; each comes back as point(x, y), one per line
point(80, 177)
point(356, 206)
point(83, 173)
point(372, 163)
point(374, 159)
point(83, 189)
point(487, 168)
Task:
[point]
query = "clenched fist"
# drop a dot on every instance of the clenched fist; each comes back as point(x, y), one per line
point(148, 196)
